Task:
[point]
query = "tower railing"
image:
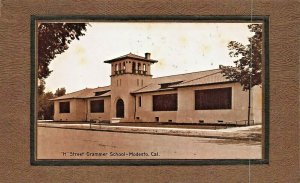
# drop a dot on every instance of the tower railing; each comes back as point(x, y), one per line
point(123, 71)
point(139, 72)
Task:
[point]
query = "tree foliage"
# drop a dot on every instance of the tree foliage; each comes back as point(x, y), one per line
point(53, 39)
point(60, 92)
point(46, 106)
point(249, 60)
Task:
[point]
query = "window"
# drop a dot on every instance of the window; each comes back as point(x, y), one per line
point(213, 99)
point(118, 82)
point(64, 107)
point(166, 85)
point(97, 106)
point(124, 66)
point(133, 67)
point(166, 102)
point(138, 82)
point(116, 67)
point(144, 67)
point(140, 101)
point(98, 93)
point(142, 82)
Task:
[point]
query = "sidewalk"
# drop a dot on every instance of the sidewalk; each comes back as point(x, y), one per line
point(240, 133)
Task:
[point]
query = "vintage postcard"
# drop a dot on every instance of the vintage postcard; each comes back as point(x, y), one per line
point(150, 90)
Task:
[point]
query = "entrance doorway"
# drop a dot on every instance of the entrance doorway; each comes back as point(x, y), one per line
point(120, 108)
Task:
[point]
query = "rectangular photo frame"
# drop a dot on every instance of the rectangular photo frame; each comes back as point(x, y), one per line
point(35, 20)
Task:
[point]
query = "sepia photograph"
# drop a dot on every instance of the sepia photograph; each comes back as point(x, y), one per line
point(149, 90)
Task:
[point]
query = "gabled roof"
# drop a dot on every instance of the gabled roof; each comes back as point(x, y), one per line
point(158, 84)
point(209, 78)
point(86, 93)
point(184, 80)
point(132, 56)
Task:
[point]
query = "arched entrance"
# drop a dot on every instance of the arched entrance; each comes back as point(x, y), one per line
point(120, 108)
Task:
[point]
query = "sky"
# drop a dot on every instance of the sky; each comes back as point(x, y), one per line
point(178, 47)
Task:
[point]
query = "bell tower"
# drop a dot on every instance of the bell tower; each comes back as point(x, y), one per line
point(128, 73)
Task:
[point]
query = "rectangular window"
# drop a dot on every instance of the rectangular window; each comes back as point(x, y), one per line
point(213, 99)
point(64, 107)
point(140, 101)
point(166, 102)
point(97, 106)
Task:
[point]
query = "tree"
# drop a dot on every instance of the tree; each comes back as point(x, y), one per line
point(53, 39)
point(41, 87)
point(60, 92)
point(248, 66)
point(46, 106)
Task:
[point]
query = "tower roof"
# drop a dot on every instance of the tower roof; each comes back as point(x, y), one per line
point(131, 56)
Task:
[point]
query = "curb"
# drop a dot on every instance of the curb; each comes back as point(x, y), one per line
point(237, 135)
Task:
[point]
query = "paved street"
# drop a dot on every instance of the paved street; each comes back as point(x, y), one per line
point(59, 143)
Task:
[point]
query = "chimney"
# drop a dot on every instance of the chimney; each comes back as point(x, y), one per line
point(147, 56)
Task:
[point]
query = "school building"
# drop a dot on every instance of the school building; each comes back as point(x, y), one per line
point(135, 96)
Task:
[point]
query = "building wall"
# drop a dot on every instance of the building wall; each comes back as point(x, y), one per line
point(105, 116)
point(186, 112)
point(146, 113)
point(77, 110)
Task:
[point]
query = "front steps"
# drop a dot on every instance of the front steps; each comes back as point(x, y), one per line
point(115, 120)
